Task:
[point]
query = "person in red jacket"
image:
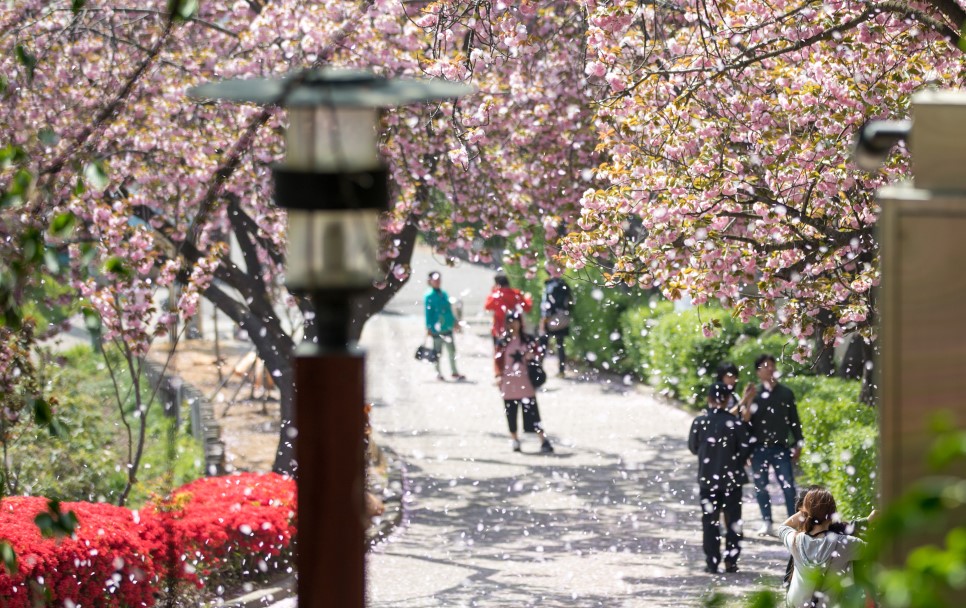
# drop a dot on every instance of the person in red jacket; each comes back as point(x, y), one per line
point(502, 300)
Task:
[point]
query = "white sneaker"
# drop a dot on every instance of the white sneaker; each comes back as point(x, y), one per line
point(766, 529)
point(515, 444)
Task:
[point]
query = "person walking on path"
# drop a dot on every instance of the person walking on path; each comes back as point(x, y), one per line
point(440, 325)
point(501, 301)
point(816, 549)
point(720, 441)
point(776, 439)
point(515, 350)
point(555, 317)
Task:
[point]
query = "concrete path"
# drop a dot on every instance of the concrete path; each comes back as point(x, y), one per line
point(610, 519)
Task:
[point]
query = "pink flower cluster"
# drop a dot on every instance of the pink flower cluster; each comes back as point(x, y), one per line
point(118, 557)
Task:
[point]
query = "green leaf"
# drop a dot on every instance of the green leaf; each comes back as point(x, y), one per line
point(22, 181)
point(11, 155)
point(48, 137)
point(182, 9)
point(962, 38)
point(46, 524)
point(96, 175)
point(32, 242)
point(54, 522)
point(17, 189)
point(4, 83)
point(79, 187)
point(88, 253)
point(77, 5)
point(32, 246)
point(28, 60)
point(8, 557)
point(63, 224)
point(56, 429)
point(43, 415)
point(116, 266)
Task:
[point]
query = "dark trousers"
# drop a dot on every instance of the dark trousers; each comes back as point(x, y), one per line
point(531, 414)
point(559, 337)
point(714, 504)
point(780, 459)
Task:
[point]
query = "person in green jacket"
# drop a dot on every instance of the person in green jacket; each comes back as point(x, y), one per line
point(440, 325)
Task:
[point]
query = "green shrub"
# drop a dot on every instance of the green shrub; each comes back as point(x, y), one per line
point(88, 461)
point(684, 360)
point(637, 325)
point(595, 332)
point(841, 441)
point(747, 348)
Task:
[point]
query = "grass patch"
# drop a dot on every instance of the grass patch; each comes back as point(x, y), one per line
point(89, 460)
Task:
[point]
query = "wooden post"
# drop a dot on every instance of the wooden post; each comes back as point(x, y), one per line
point(922, 365)
point(330, 418)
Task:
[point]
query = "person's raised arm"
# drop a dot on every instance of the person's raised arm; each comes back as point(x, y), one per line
point(794, 519)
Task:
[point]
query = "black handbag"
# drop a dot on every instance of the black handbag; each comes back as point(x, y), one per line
point(427, 353)
point(538, 376)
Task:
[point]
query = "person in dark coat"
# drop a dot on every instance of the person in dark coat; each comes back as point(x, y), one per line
point(720, 441)
point(776, 435)
point(555, 317)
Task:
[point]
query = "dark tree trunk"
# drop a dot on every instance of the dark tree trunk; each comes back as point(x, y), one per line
point(252, 309)
point(853, 364)
point(824, 364)
point(870, 392)
point(375, 300)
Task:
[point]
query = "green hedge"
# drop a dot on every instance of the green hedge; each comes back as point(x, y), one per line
point(683, 359)
point(747, 348)
point(841, 441)
point(637, 326)
point(87, 462)
point(595, 332)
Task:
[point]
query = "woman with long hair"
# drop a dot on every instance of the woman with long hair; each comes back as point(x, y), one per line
point(514, 351)
point(817, 550)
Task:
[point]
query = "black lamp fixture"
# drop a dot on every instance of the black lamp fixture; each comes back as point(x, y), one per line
point(334, 185)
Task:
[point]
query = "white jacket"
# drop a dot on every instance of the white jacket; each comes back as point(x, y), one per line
point(828, 553)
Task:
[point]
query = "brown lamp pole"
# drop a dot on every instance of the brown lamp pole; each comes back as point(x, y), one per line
point(334, 186)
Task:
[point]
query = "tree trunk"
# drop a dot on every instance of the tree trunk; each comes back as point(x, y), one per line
point(365, 307)
point(869, 393)
point(254, 310)
point(853, 364)
point(825, 361)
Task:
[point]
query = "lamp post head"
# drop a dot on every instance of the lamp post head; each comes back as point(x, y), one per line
point(332, 182)
point(331, 87)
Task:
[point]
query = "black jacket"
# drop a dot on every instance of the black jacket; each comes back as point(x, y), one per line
point(720, 441)
point(774, 417)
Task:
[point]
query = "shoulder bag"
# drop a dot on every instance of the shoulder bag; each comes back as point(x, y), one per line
point(426, 353)
point(538, 376)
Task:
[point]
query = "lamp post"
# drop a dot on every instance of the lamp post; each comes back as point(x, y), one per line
point(334, 186)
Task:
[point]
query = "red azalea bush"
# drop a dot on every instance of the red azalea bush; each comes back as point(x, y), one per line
point(117, 557)
point(105, 563)
point(242, 523)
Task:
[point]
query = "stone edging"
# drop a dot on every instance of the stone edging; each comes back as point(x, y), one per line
point(205, 428)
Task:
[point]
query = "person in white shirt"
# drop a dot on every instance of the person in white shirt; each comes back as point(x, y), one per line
point(817, 551)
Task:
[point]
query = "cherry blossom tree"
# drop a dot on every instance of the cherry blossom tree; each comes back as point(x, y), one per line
point(108, 163)
point(728, 129)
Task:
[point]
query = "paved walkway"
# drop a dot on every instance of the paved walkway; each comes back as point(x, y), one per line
point(610, 519)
